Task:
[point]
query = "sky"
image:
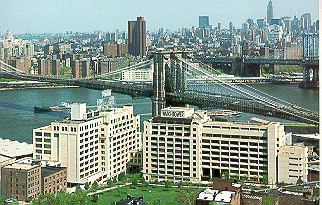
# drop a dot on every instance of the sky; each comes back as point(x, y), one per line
point(59, 16)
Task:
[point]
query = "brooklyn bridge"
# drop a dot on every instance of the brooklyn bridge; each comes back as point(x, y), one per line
point(178, 80)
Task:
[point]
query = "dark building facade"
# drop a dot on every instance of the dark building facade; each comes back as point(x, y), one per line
point(115, 50)
point(137, 37)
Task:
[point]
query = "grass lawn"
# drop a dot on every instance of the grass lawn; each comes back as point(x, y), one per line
point(153, 195)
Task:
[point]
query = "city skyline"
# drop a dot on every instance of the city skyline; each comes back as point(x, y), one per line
point(61, 16)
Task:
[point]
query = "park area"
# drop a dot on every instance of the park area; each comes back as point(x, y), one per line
point(151, 194)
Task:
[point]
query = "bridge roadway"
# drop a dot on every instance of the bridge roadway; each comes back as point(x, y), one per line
point(196, 98)
point(260, 61)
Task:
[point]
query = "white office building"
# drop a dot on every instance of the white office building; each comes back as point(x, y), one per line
point(183, 144)
point(93, 145)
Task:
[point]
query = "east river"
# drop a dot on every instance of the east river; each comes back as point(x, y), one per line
point(17, 117)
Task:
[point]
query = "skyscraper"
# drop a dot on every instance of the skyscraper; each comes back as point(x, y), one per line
point(137, 37)
point(305, 21)
point(270, 12)
point(203, 21)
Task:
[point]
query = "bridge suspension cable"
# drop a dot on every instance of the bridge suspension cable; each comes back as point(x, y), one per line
point(281, 107)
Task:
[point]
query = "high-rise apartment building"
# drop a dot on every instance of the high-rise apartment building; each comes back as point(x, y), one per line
point(183, 144)
point(137, 37)
point(203, 21)
point(80, 68)
point(93, 145)
point(49, 67)
point(270, 12)
point(115, 50)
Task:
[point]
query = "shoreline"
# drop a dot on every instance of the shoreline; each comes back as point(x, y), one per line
point(40, 87)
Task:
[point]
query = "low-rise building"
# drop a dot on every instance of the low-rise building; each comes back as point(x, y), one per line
point(22, 181)
point(3, 162)
point(53, 179)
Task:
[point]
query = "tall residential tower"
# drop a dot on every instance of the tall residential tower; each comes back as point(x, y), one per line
point(137, 37)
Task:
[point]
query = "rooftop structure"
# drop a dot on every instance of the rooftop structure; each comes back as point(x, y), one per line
point(15, 149)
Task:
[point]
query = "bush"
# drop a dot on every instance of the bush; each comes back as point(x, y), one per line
point(168, 184)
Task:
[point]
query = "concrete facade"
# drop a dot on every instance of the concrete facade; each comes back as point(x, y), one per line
point(182, 144)
point(292, 164)
point(93, 145)
point(119, 137)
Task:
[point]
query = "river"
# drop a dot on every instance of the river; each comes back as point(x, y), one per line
point(18, 118)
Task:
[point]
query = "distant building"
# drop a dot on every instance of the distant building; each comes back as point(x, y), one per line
point(80, 68)
point(270, 12)
point(21, 63)
point(305, 21)
point(138, 75)
point(203, 21)
point(49, 67)
point(13, 47)
point(115, 50)
point(137, 37)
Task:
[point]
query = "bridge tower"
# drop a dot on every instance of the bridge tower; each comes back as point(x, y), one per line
point(169, 76)
point(310, 52)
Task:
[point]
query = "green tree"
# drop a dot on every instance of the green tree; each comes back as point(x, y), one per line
point(122, 178)
point(134, 182)
point(269, 199)
point(187, 196)
point(168, 184)
point(299, 180)
point(81, 195)
point(87, 187)
point(265, 179)
point(115, 180)
point(109, 182)
point(95, 198)
point(156, 181)
point(225, 174)
point(2, 200)
point(180, 185)
point(94, 186)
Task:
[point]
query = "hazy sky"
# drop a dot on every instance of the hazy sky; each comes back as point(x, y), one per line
point(55, 16)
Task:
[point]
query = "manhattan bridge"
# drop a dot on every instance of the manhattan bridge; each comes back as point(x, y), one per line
point(178, 80)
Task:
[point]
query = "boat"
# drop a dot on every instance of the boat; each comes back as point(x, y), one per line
point(42, 109)
point(224, 113)
point(64, 106)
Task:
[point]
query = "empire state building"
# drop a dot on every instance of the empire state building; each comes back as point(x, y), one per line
point(270, 12)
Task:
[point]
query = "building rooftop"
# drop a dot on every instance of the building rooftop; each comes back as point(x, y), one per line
point(4, 158)
point(46, 171)
point(207, 195)
point(224, 196)
point(21, 166)
point(15, 149)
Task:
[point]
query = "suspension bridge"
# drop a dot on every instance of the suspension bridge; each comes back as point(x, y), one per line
point(180, 80)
